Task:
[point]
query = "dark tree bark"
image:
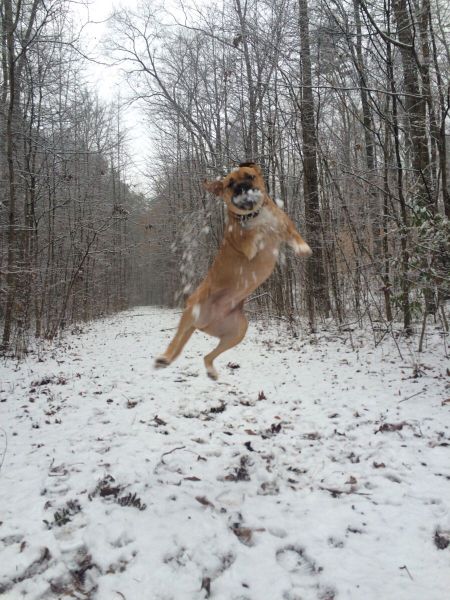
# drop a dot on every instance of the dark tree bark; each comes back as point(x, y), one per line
point(415, 107)
point(317, 287)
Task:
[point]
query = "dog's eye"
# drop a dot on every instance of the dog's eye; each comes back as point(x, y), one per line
point(230, 183)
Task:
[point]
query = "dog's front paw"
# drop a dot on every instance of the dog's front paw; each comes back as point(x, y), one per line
point(160, 362)
point(301, 248)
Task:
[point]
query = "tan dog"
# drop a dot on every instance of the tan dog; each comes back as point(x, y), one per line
point(256, 227)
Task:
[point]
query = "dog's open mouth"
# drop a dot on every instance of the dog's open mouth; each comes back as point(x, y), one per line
point(247, 200)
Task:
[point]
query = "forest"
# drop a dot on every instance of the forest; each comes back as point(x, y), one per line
point(313, 462)
point(344, 105)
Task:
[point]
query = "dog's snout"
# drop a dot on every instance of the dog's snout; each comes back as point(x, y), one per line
point(242, 188)
point(243, 204)
point(247, 197)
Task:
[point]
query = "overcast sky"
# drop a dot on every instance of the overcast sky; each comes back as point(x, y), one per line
point(110, 82)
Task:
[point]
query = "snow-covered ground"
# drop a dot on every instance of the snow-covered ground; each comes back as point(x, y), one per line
point(316, 468)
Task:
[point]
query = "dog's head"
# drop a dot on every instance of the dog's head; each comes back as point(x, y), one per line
point(243, 189)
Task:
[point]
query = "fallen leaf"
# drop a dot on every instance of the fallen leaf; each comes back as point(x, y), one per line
point(218, 409)
point(206, 585)
point(442, 539)
point(204, 500)
point(245, 534)
point(391, 427)
point(315, 435)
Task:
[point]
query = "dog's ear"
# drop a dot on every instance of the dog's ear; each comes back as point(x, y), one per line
point(215, 187)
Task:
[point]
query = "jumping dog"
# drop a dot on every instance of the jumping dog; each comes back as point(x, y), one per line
point(255, 229)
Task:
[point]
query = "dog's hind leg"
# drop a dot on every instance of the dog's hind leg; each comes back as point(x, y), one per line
point(231, 331)
point(185, 329)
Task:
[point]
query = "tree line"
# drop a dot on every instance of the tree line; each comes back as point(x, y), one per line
point(70, 224)
point(343, 103)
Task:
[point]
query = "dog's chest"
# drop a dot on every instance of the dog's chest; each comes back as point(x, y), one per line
point(265, 223)
point(266, 230)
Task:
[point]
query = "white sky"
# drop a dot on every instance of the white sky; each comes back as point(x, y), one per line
point(110, 82)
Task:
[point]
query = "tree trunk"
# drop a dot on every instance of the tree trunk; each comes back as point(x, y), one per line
point(317, 289)
point(415, 108)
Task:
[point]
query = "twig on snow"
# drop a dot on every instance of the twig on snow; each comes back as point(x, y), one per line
point(5, 449)
point(161, 460)
point(407, 570)
point(413, 396)
point(336, 492)
point(170, 452)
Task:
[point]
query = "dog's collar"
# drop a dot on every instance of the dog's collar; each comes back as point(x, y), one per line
point(245, 218)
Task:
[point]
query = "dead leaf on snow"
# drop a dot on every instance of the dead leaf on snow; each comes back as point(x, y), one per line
point(244, 534)
point(232, 365)
point(206, 585)
point(391, 427)
point(204, 500)
point(314, 435)
point(218, 409)
point(442, 539)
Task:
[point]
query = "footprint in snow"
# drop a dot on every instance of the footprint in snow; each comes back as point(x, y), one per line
point(303, 573)
point(295, 560)
point(56, 481)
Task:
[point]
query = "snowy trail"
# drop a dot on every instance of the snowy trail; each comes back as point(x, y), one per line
point(319, 469)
